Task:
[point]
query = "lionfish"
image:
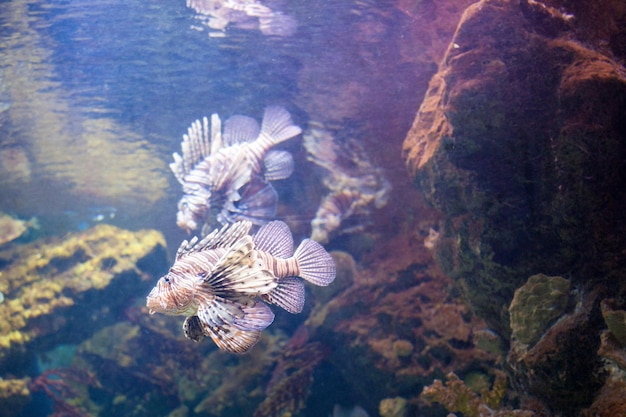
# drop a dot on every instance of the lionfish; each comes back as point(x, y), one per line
point(222, 282)
point(246, 14)
point(226, 177)
point(12, 228)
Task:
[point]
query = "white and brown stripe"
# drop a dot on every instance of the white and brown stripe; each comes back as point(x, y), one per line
point(280, 267)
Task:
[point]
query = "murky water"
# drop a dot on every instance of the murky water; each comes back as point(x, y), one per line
point(96, 95)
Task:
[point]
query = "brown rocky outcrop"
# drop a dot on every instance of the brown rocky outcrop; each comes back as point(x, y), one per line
point(520, 143)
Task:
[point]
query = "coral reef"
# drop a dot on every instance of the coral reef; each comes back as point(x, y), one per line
point(62, 290)
point(48, 285)
point(397, 325)
point(145, 366)
point(455, 396)
point(64, 386)
point(292, 378)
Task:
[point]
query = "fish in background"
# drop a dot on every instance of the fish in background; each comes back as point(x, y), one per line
point(355, 186)
point(244, 14)
point(223, 282)
point(226, 178)
point(12, 228)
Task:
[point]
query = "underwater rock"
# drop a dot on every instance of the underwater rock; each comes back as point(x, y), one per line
point(292, 377)
point(519, 143)
point(147, 366)
point(615, 320)
point(397, 325)
point(561, 369)
point(237, 384)
point(59, 290)
point(392, 407)
point(610, 401)
point(116, 343)
point(612, 350)
point(536, 304)
point(14, 394)
point(520, 200)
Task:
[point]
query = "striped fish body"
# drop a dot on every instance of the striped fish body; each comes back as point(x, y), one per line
point(217, 283)
point(310, 261)
point(221, 282)
point(230, 175)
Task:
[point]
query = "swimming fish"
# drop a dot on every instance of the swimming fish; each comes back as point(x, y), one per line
point(218, 14)
point(223, 282)
point(12, 228)
point(355, 186)
point(227, 178)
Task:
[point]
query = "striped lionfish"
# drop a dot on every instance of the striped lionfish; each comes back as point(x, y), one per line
point(222, 282)
point(226, 177)
point(246, 14)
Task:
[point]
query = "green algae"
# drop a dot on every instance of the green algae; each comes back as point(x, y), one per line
point(536, 305)
point(47, 279)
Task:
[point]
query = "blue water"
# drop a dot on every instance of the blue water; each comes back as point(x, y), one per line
point(146, 70)
point(126, 79)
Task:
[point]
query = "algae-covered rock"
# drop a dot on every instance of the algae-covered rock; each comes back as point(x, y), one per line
point(61, 290)
point(14, 393)
point(116, 343)
point(392, 407)
point(519, 142)
point(456, 396)
point(612, 351)
point(527, 171)
point(396, 326)
point(536, 304)
point(615, 320)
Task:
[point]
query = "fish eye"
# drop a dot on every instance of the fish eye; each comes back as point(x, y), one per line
point(166, 279)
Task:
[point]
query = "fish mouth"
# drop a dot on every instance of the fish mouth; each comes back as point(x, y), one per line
point(187, 226)
point(152, 303)
point(185, 221)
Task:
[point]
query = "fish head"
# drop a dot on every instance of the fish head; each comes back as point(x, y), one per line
point(191, 212)
point(172, 295)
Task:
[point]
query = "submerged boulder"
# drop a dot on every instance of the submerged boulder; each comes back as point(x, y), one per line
point(519, 142)
point(62, 290)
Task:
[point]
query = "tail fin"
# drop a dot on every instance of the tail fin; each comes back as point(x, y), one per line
point(277, 125)
point(315, 264)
